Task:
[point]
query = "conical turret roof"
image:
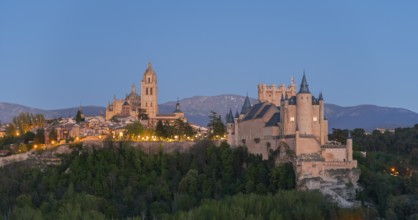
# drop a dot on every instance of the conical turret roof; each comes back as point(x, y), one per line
point(247, 106)
point(304, 87)
point(230, 117)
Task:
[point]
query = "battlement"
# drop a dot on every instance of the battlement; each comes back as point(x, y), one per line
point(272, 87)
point(273, 94)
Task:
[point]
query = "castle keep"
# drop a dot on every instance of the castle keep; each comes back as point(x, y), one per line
point(293, 125)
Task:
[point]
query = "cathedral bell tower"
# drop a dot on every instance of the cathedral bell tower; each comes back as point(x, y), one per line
point(149, 92)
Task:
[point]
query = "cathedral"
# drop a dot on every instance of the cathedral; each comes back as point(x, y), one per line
point(135, 106)
point(293, 125)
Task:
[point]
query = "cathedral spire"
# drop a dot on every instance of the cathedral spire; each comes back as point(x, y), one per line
point(178, 106)
point(320, 98)
point(304, 85)
point(133, 88)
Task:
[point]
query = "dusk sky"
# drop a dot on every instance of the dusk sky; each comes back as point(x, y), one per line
point(59, 54)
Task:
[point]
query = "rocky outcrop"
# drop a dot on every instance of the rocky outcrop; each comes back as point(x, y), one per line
point(339, 185)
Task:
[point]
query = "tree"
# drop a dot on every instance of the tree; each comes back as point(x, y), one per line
point(216, 126)
point(160, 130)
point(39, 136)
point(26, 121)
point(134, 129)
point(11, 130)
point(22, 148)
point(53, 135)
point(79, 117)
point(29, 136)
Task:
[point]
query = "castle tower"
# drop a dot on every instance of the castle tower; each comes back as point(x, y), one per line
point(304, 108)
point(349, 147)
point(149, 92)
point(230, 128)
point(322, 132)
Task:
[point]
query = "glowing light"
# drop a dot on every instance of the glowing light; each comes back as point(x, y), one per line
point(53, 142)
point(35, 146)
point(392, 169)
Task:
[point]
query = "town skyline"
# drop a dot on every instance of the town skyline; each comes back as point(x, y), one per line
point(59, 55)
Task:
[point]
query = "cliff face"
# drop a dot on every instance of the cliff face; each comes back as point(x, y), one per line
point(339, 185)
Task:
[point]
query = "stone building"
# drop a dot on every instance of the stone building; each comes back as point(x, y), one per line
point(147, 103)
point(293, 127)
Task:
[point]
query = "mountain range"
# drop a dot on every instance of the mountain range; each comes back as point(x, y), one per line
point(198, 108)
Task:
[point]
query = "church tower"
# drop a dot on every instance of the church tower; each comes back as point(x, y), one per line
point(149, 92)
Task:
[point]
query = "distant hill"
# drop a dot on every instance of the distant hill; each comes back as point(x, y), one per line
point(9, 110)
point(87, 110)
point(369, 117)
point(198, 108)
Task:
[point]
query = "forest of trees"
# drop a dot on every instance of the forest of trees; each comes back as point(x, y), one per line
point(122, 182)
point(286, 205)
point(389, 171)
point(179, 128)
point(25, 122)
point(208, 182)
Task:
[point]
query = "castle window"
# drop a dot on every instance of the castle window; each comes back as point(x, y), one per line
point(150, 91)
point(315, 119)
point(151, 104)
point(146, 104)
point(149, 80)
point(292, 118)
point(146, 91)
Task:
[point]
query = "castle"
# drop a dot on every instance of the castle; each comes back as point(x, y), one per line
point(293, 125)
point(136, 106)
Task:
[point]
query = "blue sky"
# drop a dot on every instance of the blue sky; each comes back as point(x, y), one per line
point(58, 54)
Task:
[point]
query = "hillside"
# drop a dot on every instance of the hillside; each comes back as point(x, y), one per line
point(9, 110)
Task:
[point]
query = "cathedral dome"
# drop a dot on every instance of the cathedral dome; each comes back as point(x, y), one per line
point(133, 96)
